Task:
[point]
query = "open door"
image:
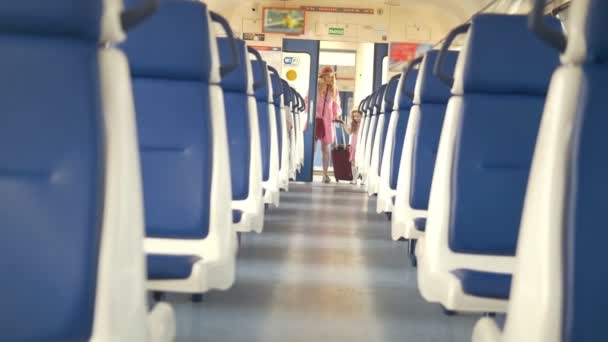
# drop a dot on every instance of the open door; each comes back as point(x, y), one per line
point(302, 55)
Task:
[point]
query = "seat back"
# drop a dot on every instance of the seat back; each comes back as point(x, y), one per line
point(494, 105)
point(171, 80)
point(404, 104)
point(431, 96)
point(236, 86)
point(389, 102)
point(557, 292)
point(277, 94)
point(262, 96)
point(66, 145)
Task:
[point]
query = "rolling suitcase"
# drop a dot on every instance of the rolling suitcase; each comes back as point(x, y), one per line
point(340, 157)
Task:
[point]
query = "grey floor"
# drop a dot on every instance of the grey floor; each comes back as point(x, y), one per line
point(324, 269)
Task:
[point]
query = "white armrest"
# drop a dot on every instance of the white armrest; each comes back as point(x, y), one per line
point(486, 330)
point(161, 322)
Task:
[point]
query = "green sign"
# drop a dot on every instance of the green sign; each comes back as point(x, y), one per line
point(336, 31)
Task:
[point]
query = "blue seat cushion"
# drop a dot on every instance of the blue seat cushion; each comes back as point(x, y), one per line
point(405, 101)
point(260, 73)
point(420, 224)
point(167, 267)
point(492, 39)
point(51, 182)
point(174, 126)
point(484, 284)
point(237, 216)
point(585, 275)
point(265, 137)
point(400, 130)
point(490, 172)
point(429, 88)
point(426, 143)
point(237, 122)
point(237, 80)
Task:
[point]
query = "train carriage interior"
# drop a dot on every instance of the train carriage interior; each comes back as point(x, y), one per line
point(293, 170)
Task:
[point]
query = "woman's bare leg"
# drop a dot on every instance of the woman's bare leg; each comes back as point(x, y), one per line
point(325, 151)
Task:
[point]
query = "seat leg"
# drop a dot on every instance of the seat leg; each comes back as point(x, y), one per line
point(448, 312)
point(197, 298)
point(158, 296)
point(389, 216)
point(411, 251)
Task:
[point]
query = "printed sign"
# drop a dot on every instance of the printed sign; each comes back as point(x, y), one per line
point(345, 10)
point(336, 31)
point(260, 37)
point(291, 60)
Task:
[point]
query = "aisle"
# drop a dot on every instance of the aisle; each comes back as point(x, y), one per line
point(322, 270)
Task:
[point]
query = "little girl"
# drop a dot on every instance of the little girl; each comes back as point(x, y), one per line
point(353, 130)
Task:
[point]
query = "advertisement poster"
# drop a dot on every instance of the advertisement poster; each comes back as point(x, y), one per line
point(401, 53)
point(283, 20)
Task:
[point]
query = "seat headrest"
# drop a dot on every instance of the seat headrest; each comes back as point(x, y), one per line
point(95, 20)
point(429, 88)
point(277, 87)
point(378, 98)
point(391, 91)
point(587, 38)
point(238, 79)
point(174, 43)
point(288, 98)
point(260, 73)
point(501, 55)
point(407, 87)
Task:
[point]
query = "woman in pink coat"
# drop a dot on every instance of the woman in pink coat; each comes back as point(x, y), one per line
point(328, 110)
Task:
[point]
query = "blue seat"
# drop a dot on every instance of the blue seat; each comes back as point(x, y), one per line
point(243, 137)
point(558, 293)
point(420, 223)
point(260, 76)
point(235, 85)
point(431, 100)
point(484, 284)
point(481, 172)
point(491, 169)
point(164, 267)
point(70, 201)
point(375, 109)
point(277, 93)
point(388, 100)
point(404, 106)
point(183, 144)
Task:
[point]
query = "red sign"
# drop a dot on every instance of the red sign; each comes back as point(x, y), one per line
point(345, 10)
point(265, 48)
point(400, 54)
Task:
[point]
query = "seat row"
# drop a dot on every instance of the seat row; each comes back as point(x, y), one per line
point(499, 178)
point(134, 145)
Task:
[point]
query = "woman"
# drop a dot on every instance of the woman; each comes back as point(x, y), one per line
point(328, 110)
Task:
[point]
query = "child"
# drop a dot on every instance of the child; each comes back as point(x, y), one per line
point(353, 130)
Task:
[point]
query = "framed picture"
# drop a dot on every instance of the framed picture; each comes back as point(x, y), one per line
point(283, 20)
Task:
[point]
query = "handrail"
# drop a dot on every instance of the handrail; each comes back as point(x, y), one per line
point(236, 61)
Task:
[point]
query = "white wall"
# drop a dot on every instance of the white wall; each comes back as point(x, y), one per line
point(364, 71)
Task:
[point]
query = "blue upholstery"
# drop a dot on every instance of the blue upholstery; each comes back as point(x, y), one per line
point(262, 98)
point(484, 284)
point(426, 143)
point(237, 216)
point(51, 169)
point(174, 118)
point(74, 19)
point(180, 53)
point(496, 137)
point(237, 80)
point(429, 88)
point(431, 98)
point(420, 224)
point(378, 99)
point(498, 69)
point(277, 91)
point(596, 41)
point(236, 106)
point(585, 225)
point(405, 105)
point(389, 101)
point(166, 267)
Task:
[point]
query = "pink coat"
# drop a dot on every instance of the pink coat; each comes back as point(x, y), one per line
point(328, 112)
